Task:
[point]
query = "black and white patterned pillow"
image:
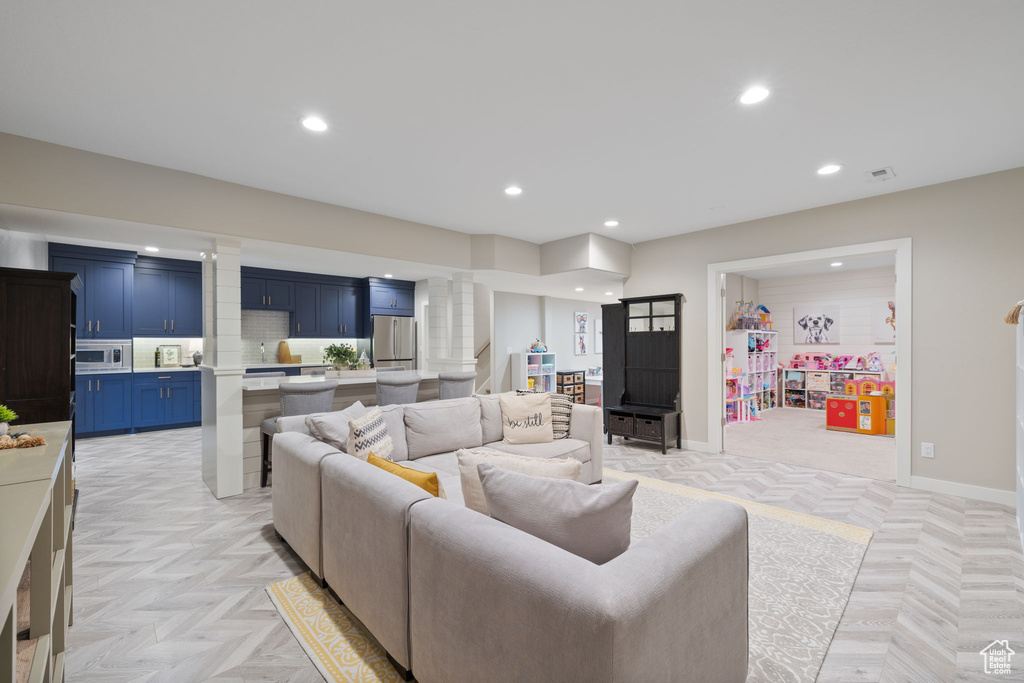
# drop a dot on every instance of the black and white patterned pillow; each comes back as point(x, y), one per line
point(369, 433)
point(561, 413)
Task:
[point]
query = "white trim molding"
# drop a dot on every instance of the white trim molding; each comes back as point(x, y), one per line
point(952, 488)
point(902, 248)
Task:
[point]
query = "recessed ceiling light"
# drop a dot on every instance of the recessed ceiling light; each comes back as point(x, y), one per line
point(611, 224)
point(579, 289)
point(829, 169)
point(754, 95)
point(513, 190)
point(837, 264)
point(388, 275)
point(152, 249)
point(314, 123)
point(609, 294)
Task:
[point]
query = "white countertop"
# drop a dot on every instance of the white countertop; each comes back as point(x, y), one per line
point(191, 368)
point(272, 383)
point(277, 366)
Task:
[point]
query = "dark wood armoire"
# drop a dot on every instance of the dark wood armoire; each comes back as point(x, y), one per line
point(37, 344)
point(642, 364)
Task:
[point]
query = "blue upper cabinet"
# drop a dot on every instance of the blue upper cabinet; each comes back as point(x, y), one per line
point(306, 318)
point(391, 297)
point(261, 294)
point(105, 303)
point(168, 298)
point(254, 293)
point(280, 295)
point(339, 311)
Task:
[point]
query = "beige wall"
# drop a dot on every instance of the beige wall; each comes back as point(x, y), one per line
point(518, 321)
point(968, 242)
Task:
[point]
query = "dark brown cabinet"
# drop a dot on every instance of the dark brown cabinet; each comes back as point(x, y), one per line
point(38, 310)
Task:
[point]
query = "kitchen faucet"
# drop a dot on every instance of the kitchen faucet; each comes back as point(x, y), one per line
point(263, 353)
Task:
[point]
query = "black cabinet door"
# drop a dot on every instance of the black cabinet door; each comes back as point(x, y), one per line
point(79, 267)
point(306, 319)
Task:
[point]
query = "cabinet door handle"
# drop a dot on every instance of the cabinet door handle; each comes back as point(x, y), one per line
point(165, 377)
point(90, 385)
point(172, 326)
point(97, 326)
point(161, 392)
point(90, 326)
point(299, 327)
point(165, 326)
point(97, 385)
point(264, 299)
point(270, 301)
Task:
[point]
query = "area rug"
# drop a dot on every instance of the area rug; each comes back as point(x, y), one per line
point(802, 570)
point(335, 641)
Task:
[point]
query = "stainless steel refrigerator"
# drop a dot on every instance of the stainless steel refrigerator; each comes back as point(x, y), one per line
point(394, 341)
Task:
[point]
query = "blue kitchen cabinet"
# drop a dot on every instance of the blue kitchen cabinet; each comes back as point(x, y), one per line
point(168, 298)
point(103, 403)
point(391, 297)
point(164, 400)
point(339, 311)
point(306, 318)
point(254, 293)
point(267, 294)
point(105, 302)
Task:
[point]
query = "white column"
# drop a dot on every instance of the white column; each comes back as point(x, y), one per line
point(462, 320)
point(437, 321)
point(222, 370)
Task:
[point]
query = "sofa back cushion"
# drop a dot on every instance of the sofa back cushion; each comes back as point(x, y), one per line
point(332, 428)
point(490, 417)
point(394, 418)
point(592, 522)
point(442, 426)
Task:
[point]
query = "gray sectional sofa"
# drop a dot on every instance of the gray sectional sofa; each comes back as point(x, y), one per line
point(454, 595)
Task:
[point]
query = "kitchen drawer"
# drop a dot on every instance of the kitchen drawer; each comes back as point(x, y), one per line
point(648, 429)
point(620, 424)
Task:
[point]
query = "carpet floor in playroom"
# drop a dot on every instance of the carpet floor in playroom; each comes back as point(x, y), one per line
point(797, 436)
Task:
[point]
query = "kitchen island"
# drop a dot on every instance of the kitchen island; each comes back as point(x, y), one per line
point(261, 399)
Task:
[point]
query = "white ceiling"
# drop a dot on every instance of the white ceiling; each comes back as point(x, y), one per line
point(598, 109)
point(850, 263)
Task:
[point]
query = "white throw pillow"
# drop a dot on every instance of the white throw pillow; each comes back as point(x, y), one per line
point(472, 490)
point(332, 428)
point(526, 419)
point(369, 434)
point(592, 522)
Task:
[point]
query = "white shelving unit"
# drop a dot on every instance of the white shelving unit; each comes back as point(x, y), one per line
point(540, 367)
point(755, 388)
point(804, 388)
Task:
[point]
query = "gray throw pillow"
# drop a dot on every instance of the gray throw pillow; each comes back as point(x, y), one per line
point(332, 428)
point(590, 521)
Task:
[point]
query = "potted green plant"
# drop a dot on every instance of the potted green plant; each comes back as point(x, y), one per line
point(342, 356)
point(6, 417)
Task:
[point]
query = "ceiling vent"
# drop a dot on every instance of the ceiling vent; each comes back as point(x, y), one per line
point(880, 175)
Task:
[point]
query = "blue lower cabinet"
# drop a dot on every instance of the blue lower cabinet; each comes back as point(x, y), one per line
point(103, 403)
point(166, 400)
point(288, 372)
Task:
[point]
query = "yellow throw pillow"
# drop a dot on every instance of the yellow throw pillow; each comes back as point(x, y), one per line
point(425, 480)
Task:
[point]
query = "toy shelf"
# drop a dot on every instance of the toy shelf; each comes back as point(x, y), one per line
point(806, 388)
point(751, 382)
point(540, 367)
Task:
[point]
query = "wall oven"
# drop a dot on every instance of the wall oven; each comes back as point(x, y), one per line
point(114, 355)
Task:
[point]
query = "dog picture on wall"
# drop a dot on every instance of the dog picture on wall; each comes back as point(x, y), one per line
point(816, 324)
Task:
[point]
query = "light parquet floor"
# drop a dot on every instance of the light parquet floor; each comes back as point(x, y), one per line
point(169, 582)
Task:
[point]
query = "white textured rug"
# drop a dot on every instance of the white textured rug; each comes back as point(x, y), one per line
point(802, 570)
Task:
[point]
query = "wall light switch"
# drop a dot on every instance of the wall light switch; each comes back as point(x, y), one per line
point(927, 450)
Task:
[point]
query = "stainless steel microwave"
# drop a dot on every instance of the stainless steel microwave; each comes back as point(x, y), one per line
point(114, 355)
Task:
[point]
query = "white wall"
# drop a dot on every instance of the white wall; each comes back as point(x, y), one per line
point(967, 245)
point(519, 319)
point(23, 250)
point(856, 292)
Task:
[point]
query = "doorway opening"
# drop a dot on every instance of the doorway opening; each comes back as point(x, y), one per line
point(809, 359)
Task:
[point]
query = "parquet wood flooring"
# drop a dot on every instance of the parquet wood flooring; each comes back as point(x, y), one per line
point(169, 582)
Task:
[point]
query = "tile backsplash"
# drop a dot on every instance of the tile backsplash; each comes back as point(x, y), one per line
point(144, 349)
point(271, 327)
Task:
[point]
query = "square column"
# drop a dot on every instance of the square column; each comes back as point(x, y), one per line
point(222, 369)
point(437, 320)
point(462, 319)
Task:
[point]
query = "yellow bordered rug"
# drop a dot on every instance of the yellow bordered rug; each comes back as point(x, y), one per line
point(335, 641)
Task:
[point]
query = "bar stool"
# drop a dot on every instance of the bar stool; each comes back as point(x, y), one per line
point(296, 399)
point(456, 384)
point(395, 387)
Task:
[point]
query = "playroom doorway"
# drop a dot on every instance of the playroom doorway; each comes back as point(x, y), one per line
point(790, 335)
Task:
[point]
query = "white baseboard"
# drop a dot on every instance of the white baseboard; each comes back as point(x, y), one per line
point(965, 490)
point(699, 446)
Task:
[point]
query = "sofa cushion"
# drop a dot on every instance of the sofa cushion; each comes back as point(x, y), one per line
point(441, 462)
point(369, 433)
point(559, 448)
point(428, 481)
point(473, 494)
point(526, 419)
point(332, 428)
point(490, 417)
point(441, 426)
point(592, 522)
point(394, 418)
point(561, 413)
point(450, 484)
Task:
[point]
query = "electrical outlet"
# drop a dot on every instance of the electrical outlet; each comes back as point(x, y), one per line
point(508, 350)
point(927, 450)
